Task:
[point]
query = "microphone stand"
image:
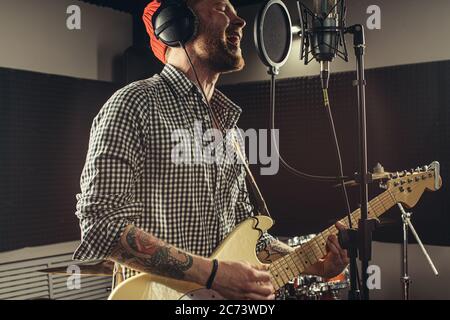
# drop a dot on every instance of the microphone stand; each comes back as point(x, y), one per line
point(365, 225)
point(407, 225)
point(359, 242)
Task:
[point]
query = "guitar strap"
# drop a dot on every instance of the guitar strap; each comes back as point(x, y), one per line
point(260, 203)
point(261, 207)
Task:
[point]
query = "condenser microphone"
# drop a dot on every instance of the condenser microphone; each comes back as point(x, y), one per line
point(322, 32)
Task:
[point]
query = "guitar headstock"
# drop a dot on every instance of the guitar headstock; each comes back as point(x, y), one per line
point(408, 186)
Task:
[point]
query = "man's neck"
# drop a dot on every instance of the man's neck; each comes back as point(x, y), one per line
point(206, 76)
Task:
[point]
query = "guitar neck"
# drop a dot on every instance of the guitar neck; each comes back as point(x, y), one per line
point(289, 266)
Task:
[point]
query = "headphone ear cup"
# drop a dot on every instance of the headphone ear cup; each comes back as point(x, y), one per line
point(174, 23)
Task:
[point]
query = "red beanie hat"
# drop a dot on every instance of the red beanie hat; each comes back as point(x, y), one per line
point(158, 47)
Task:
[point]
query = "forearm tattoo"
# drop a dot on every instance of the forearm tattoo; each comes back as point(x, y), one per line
point(144, 252)
point(273, 251)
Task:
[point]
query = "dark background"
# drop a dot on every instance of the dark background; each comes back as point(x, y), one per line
point(408, 121)
point(45, 122)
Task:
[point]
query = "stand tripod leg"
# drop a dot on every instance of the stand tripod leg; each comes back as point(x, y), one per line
point(407, 225)
point(405, 278)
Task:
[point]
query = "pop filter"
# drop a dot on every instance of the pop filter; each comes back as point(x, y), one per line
point(272, 34)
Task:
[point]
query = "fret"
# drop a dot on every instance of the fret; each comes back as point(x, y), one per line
point(370, 211)
point(313, 248)
point(394, 201)
point(318, 247)
point(382, 205)
point(334, 230)
point(289, 275)
point(355, 217)
point(302, 255)
point(322, 245)
point(314, 257)
point(344, 221)
point(276, 274)
point(285, 270)
point(298, 258)
point(294, 263)
point(376, 208)
point(288, 267)
point(294, 268)
point(324, 237)
point(282, 276)
point(326, 233)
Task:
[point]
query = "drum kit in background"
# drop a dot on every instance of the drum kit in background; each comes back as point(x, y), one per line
point(309, 287)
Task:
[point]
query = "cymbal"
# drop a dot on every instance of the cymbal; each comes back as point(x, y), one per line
point(104, 268)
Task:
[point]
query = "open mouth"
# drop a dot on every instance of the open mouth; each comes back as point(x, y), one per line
point(234, 40)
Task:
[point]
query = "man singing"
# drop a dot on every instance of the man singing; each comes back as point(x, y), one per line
point(139, 208)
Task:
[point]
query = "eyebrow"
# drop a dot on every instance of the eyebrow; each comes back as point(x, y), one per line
point(228, 4)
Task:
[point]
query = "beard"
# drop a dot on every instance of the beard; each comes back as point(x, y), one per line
point(220, 55)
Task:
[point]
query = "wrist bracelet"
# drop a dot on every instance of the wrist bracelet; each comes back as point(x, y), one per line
point(213, 274)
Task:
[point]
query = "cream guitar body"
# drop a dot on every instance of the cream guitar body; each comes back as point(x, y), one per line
point(239, 245)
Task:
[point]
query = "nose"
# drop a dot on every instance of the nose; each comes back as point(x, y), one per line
point(238, 21)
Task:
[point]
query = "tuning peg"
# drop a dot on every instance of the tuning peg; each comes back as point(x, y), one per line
point(378, 168)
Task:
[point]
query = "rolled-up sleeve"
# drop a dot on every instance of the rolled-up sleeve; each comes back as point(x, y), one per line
point(114, 162)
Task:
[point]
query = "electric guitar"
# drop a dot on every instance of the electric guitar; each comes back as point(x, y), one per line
point(406, 188)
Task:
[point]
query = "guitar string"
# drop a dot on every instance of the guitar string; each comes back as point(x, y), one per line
point(281, 265)
point(376, 209)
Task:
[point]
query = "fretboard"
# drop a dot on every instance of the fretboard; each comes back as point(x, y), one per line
point(289, 266)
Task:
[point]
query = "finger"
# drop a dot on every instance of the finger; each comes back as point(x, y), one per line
point(263, 289)
point(333, 249)
point(260, 276)
point(261, 267)
point(340, 226)
point(337, 258)
point(346, 261)
point(342, 252)
point(345, 257)
point(331, 246)
point(335, 241)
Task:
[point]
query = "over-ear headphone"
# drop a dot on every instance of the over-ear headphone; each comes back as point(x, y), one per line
point(174, 22)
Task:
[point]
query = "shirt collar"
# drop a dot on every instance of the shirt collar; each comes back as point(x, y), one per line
point(177, 80)
point(226, 110)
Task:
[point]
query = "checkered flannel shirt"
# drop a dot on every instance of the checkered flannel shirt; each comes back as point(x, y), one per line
point(129, 177)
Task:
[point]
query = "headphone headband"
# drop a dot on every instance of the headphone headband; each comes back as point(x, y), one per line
point(174, 23)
